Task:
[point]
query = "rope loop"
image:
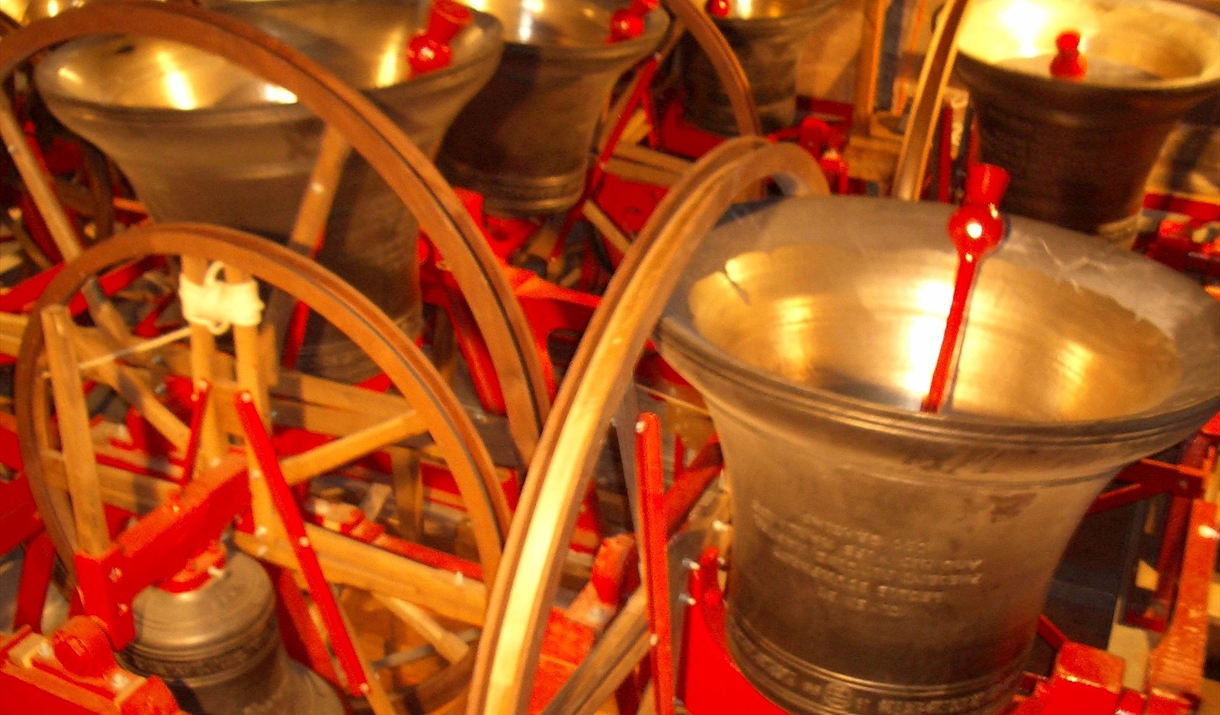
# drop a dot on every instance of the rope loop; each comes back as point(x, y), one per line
point(216, 304)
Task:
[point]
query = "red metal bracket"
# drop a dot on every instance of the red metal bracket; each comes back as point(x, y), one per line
point(710, 682)
point(159, 545)
point(75, 673)
point(650, 475)
point(281, 496)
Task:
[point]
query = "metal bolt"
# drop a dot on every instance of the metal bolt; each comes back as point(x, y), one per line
point(689, 600)
point(115, 574)
point(118, 680)
point(304, 542)
point(215, 572)
point(245, 397)
point(691, 564)
point(364, 688)
point(458, 578)
point(262, 551)
point(124, 608)
point(639, 427)
point(256, 473)
point(720, 526)
point(653, 640)
point(260, 531)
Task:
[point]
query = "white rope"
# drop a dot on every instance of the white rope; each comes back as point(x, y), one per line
point(216, 304)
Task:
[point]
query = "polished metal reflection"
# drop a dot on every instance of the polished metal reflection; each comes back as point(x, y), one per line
point(219, 651)
point(768, 38)
point(524, 141)
point(891, 558)
point(1080, 152)
point(204, 140)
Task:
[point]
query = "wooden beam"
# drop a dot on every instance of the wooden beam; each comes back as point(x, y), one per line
point(447, 644)
point(80, 464)
point(330, 456)
point(351, 563)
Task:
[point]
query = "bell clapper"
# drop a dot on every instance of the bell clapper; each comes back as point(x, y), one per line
point(976, 229)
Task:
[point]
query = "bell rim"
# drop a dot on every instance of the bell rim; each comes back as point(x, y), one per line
point(46, 73)
point(1186, 406)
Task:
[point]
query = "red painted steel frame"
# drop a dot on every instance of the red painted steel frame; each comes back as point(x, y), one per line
point(285, 505)
point(160, 544)
point(650, 475)
point(74, 673)
point(709, 681)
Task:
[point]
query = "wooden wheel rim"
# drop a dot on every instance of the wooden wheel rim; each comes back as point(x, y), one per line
point(563, 464)
point(372, 135)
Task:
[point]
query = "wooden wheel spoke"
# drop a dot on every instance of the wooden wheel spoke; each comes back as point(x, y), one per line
point(598, 375)
point(447, 643)
point(310, 222)
point(349, 562)
point(638, 163)
point(320, 460)
point(131, 386)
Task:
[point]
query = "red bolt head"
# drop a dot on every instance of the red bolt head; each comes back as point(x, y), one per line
point(976, 228)
point(82, 648)
point(429, 50)
point(719, 8)
point(625, 25)
point(1068, 41)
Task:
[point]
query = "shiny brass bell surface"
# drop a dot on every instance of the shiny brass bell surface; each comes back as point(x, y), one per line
point(768, 37)
point(525, 140)
point(1080, 150)
point(888, 560)
point(201, 139)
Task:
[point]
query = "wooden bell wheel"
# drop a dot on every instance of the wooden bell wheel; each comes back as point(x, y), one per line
point(598, 378)
point(61, 455)
point(351, 120)
point(69, 452)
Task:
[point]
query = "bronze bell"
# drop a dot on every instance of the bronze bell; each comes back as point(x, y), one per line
point(219, 651)
point(888, 560)
point(1080, 151)
point(525, 140)
point(767, 36)
point(203, 140)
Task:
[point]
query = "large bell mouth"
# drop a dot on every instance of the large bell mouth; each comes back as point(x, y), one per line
point(1080, 150)
point(836, 308)
point(894, 559)
point(1137, 45)
point(362, 43)
point(202, 139)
